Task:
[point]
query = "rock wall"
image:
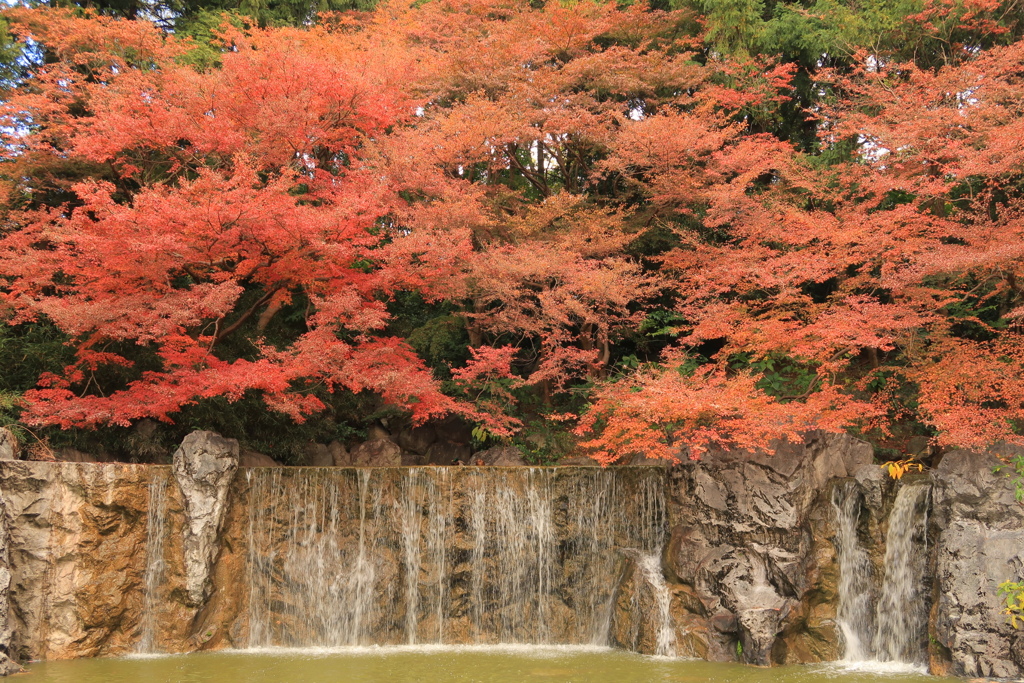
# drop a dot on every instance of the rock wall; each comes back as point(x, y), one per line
point(979, 530)
point(7, 665)
point(752, 568)
point(204, 466)
point(748, 569)
point(77, 536)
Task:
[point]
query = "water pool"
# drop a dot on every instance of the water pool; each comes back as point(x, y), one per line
point(512, 664)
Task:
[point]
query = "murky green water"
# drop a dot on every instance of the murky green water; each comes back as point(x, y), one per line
point(432, 665)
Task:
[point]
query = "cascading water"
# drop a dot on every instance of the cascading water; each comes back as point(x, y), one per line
point(156, 526)
point(894, 629)
point(313, 560)
point(650, 566)
point(411, 517)
point(855, 615)
point(902, 609)
point(444, 555)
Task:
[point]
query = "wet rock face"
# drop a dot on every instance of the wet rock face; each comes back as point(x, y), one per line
point(748, 570)
point(204, 466)
point(980, 545)
point(76, 551)
point(635, 624)
point(749, 540)
point(7, 665)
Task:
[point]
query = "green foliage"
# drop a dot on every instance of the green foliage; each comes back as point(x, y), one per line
point(9, 404)
point(263, 13)
point(660, 323)
point(11, 57)
point(204, 27)
point(1013, 593)
point(1015, 471)
point(833, 30)
point(29, 350)
point(483, 438)
point(441, 342)
point(273, 433)
point(781, 376)
point(544, 442)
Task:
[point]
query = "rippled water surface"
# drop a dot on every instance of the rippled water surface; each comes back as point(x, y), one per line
point(431, 664)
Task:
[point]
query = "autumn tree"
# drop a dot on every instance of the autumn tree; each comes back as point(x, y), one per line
point(664, 238)
point(876, 291)
point(220, 199)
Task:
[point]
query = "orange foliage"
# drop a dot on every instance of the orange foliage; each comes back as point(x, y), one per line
point(507, 161)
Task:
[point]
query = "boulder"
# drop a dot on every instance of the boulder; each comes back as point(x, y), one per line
point(980, 545)
point(339, 456)
point(73, 455)
point(416, 439)
point(248, 458)
point(376, 432)
point(203, 467)
point(9, 448)
point(318, 455)
point(377, 453)
point(578, 461)
point(447, 453)
point(500, 456)
point(454, 429)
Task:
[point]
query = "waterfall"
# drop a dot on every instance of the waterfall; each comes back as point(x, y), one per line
point(313, 561)
point(352, 556)
point(478, 531)
point(440, 525)
point(894, 629)
point(902, 609)
point(513, 554)
point(855, 615)
point(360, 586)
point(154, 575)
point(411, 516)
point(650, 566)
point(590, 556)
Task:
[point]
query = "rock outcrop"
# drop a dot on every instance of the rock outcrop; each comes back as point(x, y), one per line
point(204, 466)
point(7, 665)
point(980, 544)
point(641, 616)
point(9, 449)
point(749, 542)
point(247, 458)
point(500, 456)
point(77, 555)
point(381, 452)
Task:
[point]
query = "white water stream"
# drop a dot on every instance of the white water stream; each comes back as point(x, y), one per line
point(889, 628)
point(156, 530)
point(440, 555)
